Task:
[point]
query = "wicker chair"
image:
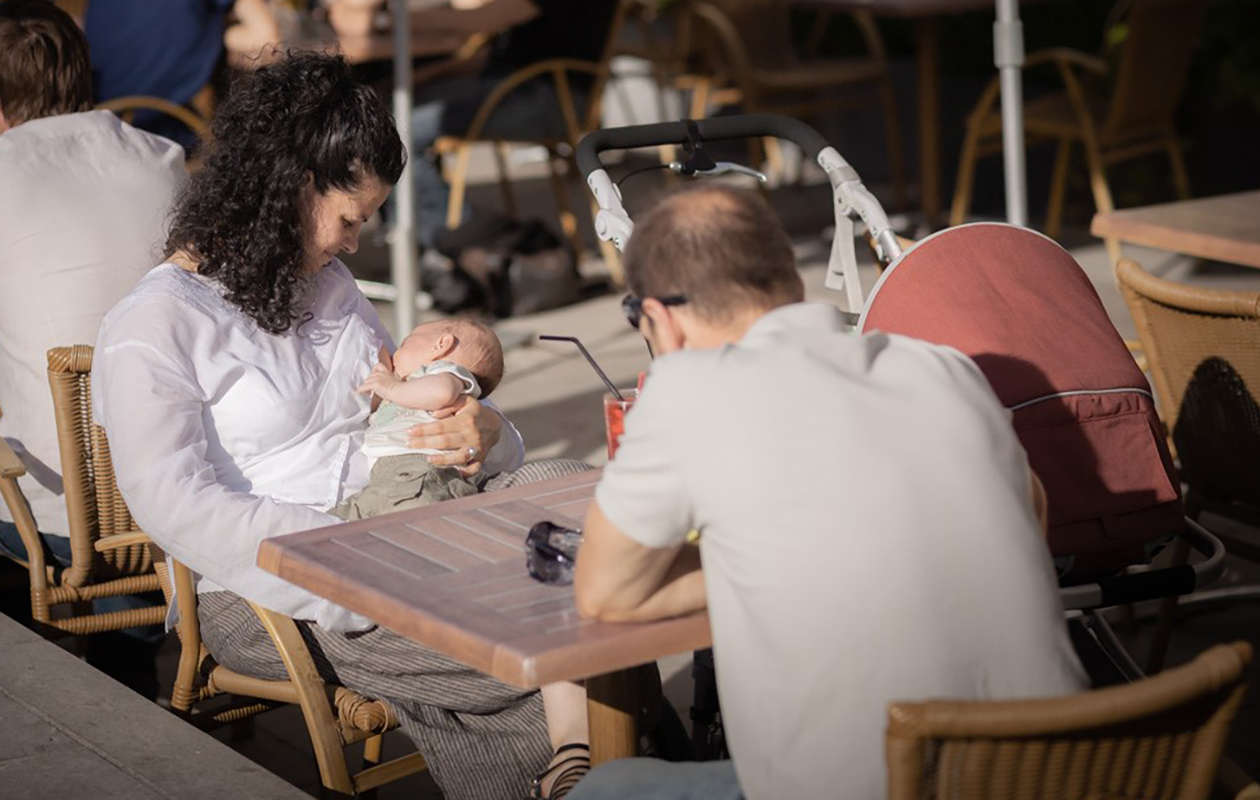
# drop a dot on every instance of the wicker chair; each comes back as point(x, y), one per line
point(112, 557)
point(1160, 738)
point(335, 716)
point(1201, 345)
point(105, 560)
point(748, 44)
point(126, 107)
point(577, 123)
point(1135, 119)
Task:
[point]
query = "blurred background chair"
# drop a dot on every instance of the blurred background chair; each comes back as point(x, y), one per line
point(128, 107)
point(747, 47)
point(580, 112)
point(1203, 351)
point(106, 560)
point(1159, 737)
point(1119, 107)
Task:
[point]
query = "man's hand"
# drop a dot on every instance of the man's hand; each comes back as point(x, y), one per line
point(466, 431)
point(619, 580)
point(381, 381)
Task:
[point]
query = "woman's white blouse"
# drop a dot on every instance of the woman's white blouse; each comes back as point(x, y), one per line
point(223, 435)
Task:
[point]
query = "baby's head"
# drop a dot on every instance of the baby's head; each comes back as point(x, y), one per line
point(465, 342)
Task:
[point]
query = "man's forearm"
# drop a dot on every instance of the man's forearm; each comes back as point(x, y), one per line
point(681, 592)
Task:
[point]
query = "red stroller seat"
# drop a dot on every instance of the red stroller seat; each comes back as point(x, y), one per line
point(1021, 307)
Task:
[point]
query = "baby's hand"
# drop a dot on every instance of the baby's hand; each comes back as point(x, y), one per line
point(380, 381)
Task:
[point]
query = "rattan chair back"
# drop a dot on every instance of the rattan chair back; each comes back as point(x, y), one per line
point(108, 554)
point(1153, 64)
point(1158, 739)
point(1203, 348)
point(126, 107)
point(94, 505)
point(579, 118)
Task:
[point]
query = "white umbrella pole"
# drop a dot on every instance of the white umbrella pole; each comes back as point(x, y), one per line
point(1008, 54)
point(402, 245)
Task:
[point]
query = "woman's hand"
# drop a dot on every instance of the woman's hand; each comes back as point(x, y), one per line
point(466, 431)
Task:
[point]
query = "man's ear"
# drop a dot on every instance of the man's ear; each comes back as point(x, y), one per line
point(666, 332)
point(443, 345)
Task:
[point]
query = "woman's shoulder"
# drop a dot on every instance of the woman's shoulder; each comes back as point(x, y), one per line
point(339, 296)
point(166, 298)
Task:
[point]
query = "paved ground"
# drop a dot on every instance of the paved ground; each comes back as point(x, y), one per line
point(66, 730)
point(554, 398)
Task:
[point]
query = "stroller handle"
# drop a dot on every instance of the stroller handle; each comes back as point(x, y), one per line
point(744, 126)
point(850, 196)
point(1150, 584)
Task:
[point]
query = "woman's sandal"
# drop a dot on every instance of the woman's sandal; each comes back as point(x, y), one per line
point(571, 770)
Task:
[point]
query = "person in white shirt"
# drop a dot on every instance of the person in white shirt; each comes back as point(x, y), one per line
point(866, 517)
point(83, 205)
point(226, 384)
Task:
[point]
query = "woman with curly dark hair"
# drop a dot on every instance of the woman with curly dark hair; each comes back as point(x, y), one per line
point(226, 382)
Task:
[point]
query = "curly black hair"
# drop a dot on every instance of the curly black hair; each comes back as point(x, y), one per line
point(240, 214)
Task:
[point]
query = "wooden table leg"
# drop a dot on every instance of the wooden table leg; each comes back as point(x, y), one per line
point(612, 705)
point(927, 55)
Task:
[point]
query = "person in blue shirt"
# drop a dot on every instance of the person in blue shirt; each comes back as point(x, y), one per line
point(169, 49)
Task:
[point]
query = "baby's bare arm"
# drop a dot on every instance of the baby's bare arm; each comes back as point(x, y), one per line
point(428, 392)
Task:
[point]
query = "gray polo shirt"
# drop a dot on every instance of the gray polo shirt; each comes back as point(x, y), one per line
point(867, 536)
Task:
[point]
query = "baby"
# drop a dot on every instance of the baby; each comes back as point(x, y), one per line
point(433, 367)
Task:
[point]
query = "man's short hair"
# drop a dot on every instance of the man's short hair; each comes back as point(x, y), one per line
point(44, 65)
point(722, 248)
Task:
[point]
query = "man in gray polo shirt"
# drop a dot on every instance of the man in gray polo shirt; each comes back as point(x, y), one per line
point(867, 525)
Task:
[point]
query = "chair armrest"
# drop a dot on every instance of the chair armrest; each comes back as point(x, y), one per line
point(731, 41)
point(11, 468)
point(1067, 57)
point(1062, 57)
point(466, 58)
point(557, 67)
point(10, 465)
point(107, 543)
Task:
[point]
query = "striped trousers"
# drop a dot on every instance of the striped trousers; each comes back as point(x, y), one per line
point(482, 739)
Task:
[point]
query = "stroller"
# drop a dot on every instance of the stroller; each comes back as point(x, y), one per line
point(1018, 305)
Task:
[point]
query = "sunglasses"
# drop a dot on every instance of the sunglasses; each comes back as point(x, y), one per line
point(551, 552)
point(632, 306)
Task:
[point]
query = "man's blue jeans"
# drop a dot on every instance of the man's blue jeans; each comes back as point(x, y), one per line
point(652, 779)
point(530, 112)
point(128, 656)
point(11, 545)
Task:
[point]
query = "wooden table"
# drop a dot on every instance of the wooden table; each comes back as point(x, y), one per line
point(1225, 228)
point(376, 46)
point(452, 576)
point(928, 67)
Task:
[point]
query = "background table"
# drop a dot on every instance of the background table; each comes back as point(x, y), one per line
point(1224, 228)
point(452, 576)
point(424, 42)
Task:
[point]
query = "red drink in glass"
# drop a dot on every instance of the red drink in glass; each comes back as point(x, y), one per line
point(615, 417)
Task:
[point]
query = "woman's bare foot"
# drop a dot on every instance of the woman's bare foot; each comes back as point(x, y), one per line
point(569, 765)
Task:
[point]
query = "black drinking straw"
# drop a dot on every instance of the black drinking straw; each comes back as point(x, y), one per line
point(602, 375)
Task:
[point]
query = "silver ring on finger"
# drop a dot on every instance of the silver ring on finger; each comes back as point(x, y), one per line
point(472, 454)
